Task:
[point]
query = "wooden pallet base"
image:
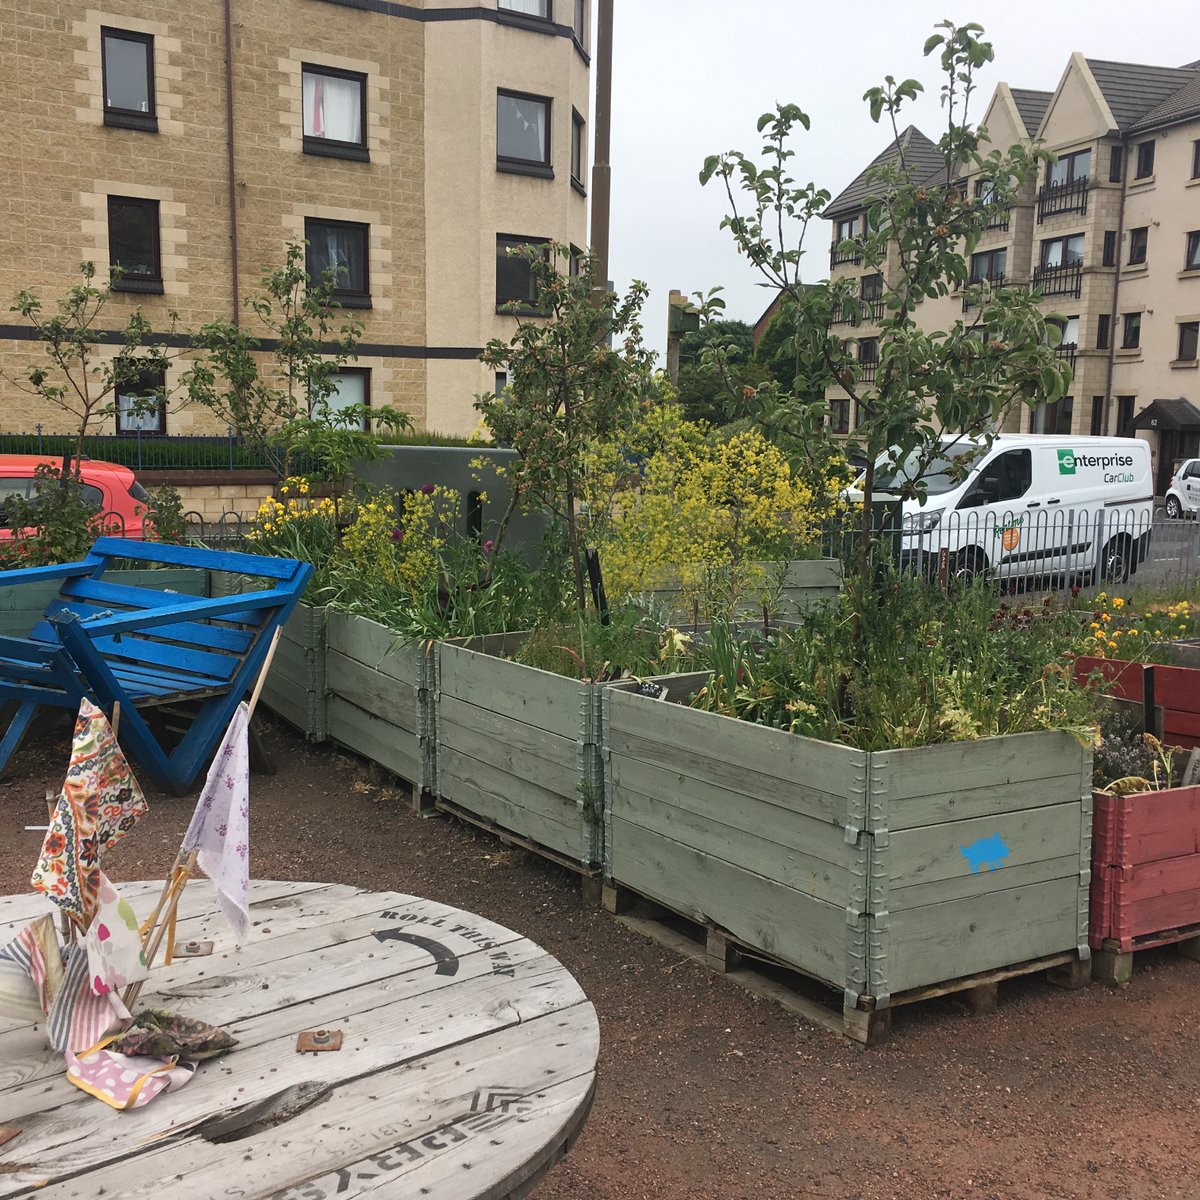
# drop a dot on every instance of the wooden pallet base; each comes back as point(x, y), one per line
point(815, 1000)
point(589, 877)
point(1112, 964)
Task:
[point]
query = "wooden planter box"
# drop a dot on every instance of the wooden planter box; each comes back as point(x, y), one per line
point(21, 607)
point(295, 685)
point(1176, 692)
point(1145, 872)
point(519, 748)
point(806, 582)
point(880, 874)
point(380, 697)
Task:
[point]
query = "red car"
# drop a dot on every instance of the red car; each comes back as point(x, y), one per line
point(109, 487)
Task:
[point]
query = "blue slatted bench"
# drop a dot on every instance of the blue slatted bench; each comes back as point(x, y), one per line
point(147, 648)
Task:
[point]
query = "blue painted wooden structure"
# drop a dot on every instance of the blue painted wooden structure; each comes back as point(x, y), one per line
point(146, 648)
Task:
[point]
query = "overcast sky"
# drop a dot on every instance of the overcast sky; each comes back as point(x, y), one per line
point(691, 77)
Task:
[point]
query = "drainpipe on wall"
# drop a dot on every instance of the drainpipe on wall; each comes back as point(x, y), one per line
point(1116, 291)
point(601, 171)
point(229, 155)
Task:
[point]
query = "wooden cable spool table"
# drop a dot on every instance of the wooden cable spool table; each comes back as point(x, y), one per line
point(467, 1064)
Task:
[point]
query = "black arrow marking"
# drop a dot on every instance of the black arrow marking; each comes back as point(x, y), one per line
point(447, 960)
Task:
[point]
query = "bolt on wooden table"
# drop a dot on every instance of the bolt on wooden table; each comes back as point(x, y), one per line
point(466, 1068)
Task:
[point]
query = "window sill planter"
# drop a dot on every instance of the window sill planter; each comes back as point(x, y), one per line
point(881, 874)
point(295, 685)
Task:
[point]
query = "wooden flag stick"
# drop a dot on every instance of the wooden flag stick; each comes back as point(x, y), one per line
point(161, 922)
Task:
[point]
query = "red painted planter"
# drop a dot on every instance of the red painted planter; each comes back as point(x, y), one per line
point(1176, 691)
point(1145, 865)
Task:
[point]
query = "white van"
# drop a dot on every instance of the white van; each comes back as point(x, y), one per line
point(1028, 505)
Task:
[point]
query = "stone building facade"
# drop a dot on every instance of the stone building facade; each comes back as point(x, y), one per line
point(409, 143)
point(1110, 233)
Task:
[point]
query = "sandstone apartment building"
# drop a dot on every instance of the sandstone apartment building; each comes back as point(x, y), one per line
point(190, 140)
point(1110, 233)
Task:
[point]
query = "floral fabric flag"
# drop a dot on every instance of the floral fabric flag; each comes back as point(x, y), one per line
point(220, 828)
point(100, 802)
point(113, 942)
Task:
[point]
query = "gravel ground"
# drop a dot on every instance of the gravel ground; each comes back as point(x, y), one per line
point(706, 1091)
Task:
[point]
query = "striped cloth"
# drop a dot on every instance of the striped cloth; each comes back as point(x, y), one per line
point(78, 1018)
point(30, 971)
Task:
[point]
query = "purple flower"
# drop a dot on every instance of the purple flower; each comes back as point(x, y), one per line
point(488, 546)
point(397, 535)
point(427, 489)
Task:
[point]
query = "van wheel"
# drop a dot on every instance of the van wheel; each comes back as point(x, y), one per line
point(1116, 563)
point(967, 566)
point(1174, 508)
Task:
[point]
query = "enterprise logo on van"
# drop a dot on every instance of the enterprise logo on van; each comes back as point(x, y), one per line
point(1068, 460)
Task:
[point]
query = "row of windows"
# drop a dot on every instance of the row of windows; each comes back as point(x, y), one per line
point(341, 248)
point(334, 105)
point(1055, 417)
point(1067, 251)
point(140, 410)
point(1076, 166)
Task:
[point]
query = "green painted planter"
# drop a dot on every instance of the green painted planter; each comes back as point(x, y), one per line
point(21, 607)
point(877, 873)
point(519, 748)
point(295, 685)
point(381, 697)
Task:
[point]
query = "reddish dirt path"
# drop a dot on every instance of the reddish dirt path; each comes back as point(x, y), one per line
point(707, 1092)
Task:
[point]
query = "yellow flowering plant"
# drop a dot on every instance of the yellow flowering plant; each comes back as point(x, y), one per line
point(1123, 630)
point(296, 524)
point(706, 516)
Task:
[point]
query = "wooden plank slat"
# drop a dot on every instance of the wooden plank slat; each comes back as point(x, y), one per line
point(537, 755)
point(760, 755)
point(382, 695)
point(801, 853)
point(537, 698)
point(397, 749)
point(795, 928)
point(935, 942)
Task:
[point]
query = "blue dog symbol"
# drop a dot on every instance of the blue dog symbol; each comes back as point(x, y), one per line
point(989, 851)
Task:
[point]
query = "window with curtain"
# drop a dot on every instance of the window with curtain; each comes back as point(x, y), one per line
point(523, 128)
point(139, 407)
point(340, 247)
point(334, 105)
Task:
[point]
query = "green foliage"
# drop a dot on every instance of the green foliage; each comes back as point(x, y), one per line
point(576, 376)
point(584, 648)
point(919, 236)
point(164, 520)
point(926, 666)
point(77, 379)
point(55, 524)
point(285, 413)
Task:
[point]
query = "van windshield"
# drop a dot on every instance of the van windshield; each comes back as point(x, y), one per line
point(943, 473)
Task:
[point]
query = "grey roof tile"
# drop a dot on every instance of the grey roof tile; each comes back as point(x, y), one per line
point(1133, 90)
point(925, 164)
point(1032, 107)
point(1180, 106)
